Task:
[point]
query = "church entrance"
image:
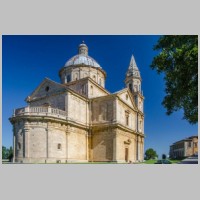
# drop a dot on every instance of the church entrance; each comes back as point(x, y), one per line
point(126, 154)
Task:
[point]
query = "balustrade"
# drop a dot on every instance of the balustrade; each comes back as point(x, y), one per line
point(39, 110)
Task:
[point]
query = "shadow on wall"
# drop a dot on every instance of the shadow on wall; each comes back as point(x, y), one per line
point(102, 145)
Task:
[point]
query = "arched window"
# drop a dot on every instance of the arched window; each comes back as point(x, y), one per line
point(135, 88)
point(99, 81)
point(75, 76)
point(94, 77)
point(127, 118)
point(47, 89)
point(130, 87)
point(59, 146)
point(68, 78)
point(91, 90)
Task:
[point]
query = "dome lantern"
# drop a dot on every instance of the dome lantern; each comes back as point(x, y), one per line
point(83, 49)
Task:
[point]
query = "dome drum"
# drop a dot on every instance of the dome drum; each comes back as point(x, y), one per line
point(74, 73)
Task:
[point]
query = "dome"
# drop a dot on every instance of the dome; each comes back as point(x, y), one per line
point(82, 58)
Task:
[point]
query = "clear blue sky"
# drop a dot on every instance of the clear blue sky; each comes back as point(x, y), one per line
point(27, 60)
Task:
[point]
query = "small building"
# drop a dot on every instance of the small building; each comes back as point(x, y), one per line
point(184, 148)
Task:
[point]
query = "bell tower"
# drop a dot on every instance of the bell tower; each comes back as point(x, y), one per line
point(133, 82)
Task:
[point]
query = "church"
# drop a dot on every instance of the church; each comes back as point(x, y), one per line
point(78, 120)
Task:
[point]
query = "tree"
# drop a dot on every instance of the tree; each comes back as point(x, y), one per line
point(7, 153)
point(150, 154)
point(178, 60)
point(164, 156)
point(4, 153)
point(10, 153)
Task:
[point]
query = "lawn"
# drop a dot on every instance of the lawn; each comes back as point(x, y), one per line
point(153, 161)
point(148, 162)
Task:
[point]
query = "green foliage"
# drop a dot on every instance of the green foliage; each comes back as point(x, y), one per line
point(150, 154)
point(7, 153)
point(4, 153)
point(178, 60)
point(10, 153)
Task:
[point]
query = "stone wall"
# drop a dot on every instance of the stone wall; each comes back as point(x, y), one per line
point(77, 108)
point(94, 91)
point(102, 110)
point(87, 88)
point(102, 145)
point(49, 142)
point(56, 101)
point(125, 140)
point(19, 139)
point(122, 111)
point(37, 142)
point(77, 145)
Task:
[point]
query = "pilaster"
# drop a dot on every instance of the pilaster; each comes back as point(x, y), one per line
point(26, 142)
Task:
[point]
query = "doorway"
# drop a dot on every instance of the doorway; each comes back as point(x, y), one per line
point(126, 154)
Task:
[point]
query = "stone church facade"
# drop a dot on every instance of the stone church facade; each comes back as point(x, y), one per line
point(78, 120)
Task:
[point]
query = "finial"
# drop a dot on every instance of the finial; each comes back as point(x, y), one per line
point(83, 42)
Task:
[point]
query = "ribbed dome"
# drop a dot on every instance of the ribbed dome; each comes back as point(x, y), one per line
point(82, 58)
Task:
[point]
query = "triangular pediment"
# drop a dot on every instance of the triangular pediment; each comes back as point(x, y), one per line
point(126, 96)
point(46, 87)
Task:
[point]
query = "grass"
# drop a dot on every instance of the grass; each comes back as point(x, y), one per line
point(153, 161)
point(148, 162)
point(145, 162)
point(175, 161)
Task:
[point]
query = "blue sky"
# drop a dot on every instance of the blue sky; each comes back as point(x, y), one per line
point(27, 60)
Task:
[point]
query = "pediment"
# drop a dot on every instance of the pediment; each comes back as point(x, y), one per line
point(126, 96)
point(46, 87)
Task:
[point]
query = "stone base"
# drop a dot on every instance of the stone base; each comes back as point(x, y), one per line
point(47, 160)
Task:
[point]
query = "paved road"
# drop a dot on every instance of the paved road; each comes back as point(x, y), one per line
point(190, 160)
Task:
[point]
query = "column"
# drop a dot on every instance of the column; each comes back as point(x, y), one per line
point(65, 78)
point(26, 143)
point(49, 109)
point(67, 134)
point(86, 109)
point(143, 125)
point(137, 149)
point(79, 74)
point(47, 143)
point(87, 146)
point(114, 148)
point(143, 149)
point(13, 145)
point(115, 111)
point(90, 151)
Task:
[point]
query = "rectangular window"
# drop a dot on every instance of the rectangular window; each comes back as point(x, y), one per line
point(127, 118)
point(82, 89)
